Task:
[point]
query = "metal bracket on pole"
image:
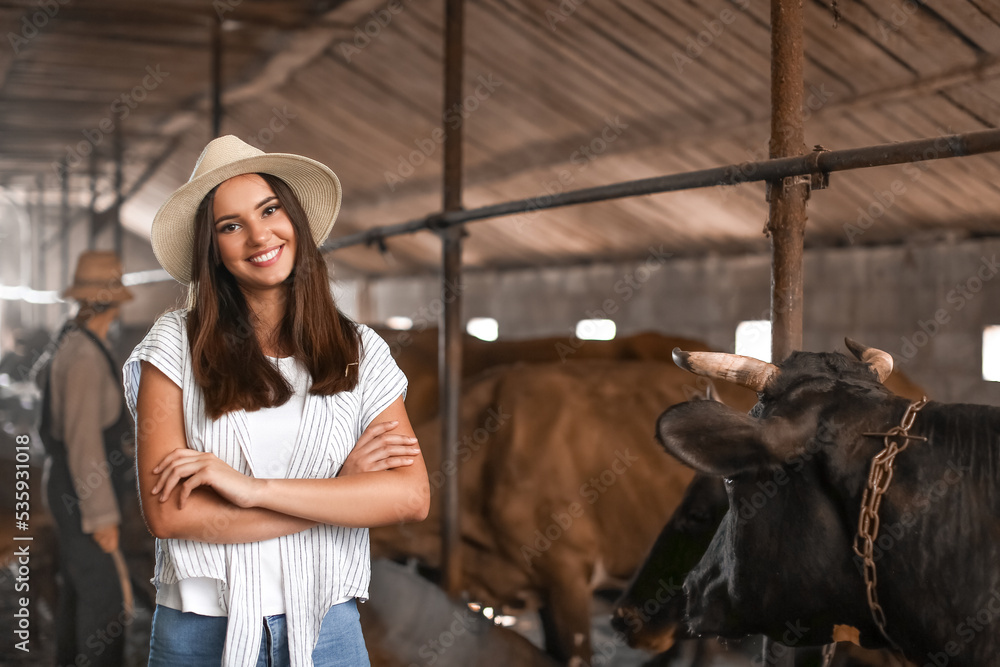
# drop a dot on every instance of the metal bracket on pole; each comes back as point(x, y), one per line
point(816, 179)
point(438, 225)
point(788, 182)
point(379, 242)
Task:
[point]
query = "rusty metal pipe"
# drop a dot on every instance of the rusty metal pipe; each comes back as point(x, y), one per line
point(64, 225)
point(40, 220)
point(786, 224)
point(92, 207)
point(918, 150)
point(450, 331)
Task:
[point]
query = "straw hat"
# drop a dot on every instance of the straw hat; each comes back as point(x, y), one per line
point(98, 279)
point(316, 186)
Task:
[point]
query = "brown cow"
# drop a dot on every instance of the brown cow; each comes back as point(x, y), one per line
point(561, 484)
point(416, 352)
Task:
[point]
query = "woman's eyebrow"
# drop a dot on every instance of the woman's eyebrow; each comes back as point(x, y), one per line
point(235, 215)
point(265, 201)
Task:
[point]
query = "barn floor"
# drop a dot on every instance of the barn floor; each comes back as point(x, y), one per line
point(609, 652)
point(42, 640)
point(607, 649)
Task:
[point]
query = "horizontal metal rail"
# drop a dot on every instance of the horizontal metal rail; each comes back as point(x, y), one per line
point(817, 162)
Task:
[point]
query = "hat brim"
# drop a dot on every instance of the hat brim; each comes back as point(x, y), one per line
point(316, 186)
point(97, 294)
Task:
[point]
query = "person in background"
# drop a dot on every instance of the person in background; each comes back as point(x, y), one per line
point(83, 425)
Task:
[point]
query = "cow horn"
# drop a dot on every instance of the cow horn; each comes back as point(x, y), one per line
point(745, 371)
point(881, 362)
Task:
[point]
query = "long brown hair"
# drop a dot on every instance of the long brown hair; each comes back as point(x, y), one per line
point(229, 363)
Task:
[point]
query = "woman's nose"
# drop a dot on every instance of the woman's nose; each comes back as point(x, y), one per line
point(260, 232)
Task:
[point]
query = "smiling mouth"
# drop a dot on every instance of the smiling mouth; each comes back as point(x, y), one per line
point(266, 257)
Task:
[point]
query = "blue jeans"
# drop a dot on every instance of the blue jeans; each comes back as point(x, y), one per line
point(192, 640)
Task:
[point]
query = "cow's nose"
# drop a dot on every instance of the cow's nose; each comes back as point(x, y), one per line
point(619, 616)
point(627, 619)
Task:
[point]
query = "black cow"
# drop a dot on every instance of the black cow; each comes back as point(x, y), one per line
point(795, 470)
point(651, 612)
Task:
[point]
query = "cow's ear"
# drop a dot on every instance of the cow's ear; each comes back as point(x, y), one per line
point(715, 439)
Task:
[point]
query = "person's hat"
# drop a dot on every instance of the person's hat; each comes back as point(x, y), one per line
point(98, 279)
point(315, 185)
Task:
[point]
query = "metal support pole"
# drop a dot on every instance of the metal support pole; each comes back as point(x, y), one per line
point(92, 235)
point(787, 220)
point(40, 222)
point(450, 373)
point(116, 218)
point(450, 350)
point(216, 77)
point(32, 238)
point(64, 224)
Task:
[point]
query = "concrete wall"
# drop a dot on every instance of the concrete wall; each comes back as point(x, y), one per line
point(926, 305)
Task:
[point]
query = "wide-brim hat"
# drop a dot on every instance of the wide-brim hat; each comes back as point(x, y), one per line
point(315, 185)
point(98, 279)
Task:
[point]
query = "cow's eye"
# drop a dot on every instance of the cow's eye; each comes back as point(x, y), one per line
point(729, 481)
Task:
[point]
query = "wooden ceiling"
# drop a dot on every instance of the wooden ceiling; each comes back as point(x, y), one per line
point(561, 95)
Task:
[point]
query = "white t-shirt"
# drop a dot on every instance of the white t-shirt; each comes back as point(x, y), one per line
point(272, 441)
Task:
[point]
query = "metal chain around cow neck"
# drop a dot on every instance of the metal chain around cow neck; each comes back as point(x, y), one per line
point(879, 477)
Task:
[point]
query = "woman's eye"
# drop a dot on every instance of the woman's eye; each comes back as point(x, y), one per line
point(228, 227)
point(270, 209)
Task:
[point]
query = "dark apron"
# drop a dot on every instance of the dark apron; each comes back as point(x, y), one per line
point(117, 443)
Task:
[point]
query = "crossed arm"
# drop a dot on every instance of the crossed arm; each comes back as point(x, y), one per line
point(186, 494)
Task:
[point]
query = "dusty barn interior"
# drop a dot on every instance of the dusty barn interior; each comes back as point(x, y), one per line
point(541, 200)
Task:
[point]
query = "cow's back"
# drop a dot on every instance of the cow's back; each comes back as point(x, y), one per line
point(579, 462)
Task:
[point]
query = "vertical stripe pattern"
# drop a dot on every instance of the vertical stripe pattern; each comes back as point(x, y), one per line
point(320, 565)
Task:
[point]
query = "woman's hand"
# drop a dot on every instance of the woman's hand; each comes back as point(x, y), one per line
point(202, 469)
point(380, 449)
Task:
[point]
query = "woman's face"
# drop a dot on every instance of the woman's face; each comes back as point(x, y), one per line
point(255, 236)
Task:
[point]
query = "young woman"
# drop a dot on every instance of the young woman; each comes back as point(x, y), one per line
point(271, 431)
